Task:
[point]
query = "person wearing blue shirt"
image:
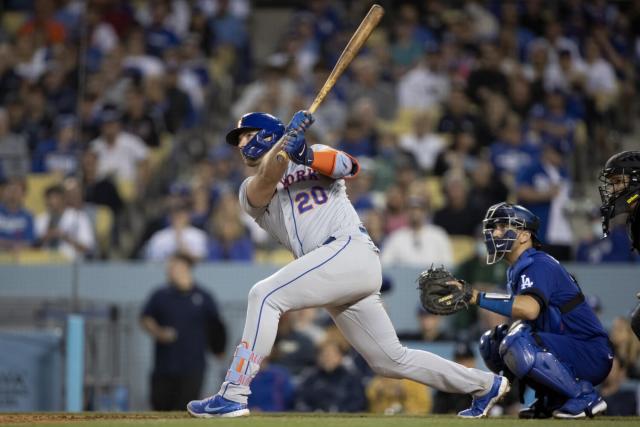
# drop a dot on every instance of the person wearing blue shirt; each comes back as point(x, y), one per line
point(557, 345)
point(543, 187)
point(16, 222)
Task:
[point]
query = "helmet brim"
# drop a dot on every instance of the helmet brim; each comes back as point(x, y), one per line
point(233, 137)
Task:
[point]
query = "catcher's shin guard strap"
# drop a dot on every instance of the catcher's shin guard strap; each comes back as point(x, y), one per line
point(244, 366)
point(498, 303)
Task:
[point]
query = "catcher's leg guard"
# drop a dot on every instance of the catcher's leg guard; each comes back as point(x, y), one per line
point(490, 345)
point(523, 356)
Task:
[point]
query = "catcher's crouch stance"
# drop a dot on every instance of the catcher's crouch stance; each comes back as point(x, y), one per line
point(303, 203)
point(559, 348)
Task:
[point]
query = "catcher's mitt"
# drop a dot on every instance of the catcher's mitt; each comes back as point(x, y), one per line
point(437, 296)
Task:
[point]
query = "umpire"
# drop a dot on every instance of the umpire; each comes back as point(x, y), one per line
point(183, 320)
point(620, 194)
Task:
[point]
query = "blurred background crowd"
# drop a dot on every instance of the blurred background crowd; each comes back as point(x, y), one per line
point(112, 115)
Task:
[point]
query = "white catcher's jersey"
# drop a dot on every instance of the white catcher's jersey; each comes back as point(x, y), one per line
point(307, 209)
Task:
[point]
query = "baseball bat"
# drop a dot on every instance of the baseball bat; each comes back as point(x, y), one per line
point(350, 51)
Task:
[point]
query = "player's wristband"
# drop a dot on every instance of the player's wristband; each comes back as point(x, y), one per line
point(498, 303)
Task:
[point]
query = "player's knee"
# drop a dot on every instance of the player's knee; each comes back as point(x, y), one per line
point(258, 292)
point(490, 347)
point(518, 350)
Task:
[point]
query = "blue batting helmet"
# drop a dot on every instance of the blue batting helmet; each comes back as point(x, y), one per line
point(270, 130)
point(513, 217)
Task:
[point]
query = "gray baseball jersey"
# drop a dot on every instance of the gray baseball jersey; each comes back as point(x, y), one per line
point(337, 267)
point(307, 209)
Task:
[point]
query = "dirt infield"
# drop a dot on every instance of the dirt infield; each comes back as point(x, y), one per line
point(45, 417)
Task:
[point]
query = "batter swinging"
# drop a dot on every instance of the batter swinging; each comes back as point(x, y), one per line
point(303, 203)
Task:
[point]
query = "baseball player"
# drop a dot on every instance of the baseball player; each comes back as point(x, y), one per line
point(302, 202)
point(620, 194)
point(559, 347)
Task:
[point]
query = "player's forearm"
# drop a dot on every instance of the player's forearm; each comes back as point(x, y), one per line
point(519, 307)
point(263, 184)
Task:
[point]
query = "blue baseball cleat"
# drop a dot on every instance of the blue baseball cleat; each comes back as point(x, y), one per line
point(586, 405)
point(217, 406)
point(481, 405)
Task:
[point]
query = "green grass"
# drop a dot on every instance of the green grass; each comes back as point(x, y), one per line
point(179, 419)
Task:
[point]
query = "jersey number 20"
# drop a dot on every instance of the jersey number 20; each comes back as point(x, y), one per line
point(304, 202)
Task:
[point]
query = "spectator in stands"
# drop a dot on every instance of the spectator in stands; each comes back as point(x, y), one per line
point(16, 222)
point(425, 85)
point(459, 216)
point(613, 248)
point(121, 155)
point(179, 236)
point(100, 191)
point(9, 80)
point(430, 328)
point(158, 35)
point(64, 229)
point(457, 116)
point(138, 120)
point(621, 400)
point(367, 83)
point(272, 389)
point(487, 188)
point(61, 153)
point(487, 77)
point(418, 244)
point(293, 349)
point(422, 142)
point(544, 188)
point(184, 321)
point(59, 93)
point(390, 396)
point(626, 346)
point(42, 26)
point(37, 120)
point(356, 142)
point(329, 386)
point(14, 152)
point(229, 241)
point(461, 155)
point(511, 154)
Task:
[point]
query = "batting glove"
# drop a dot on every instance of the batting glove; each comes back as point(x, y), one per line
point(296, 147)
point(300, 122)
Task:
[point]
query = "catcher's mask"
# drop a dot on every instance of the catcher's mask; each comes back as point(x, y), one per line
point(619, 186)
point(513, 218)
point(270, 130)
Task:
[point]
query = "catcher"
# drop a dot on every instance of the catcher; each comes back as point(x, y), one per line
point(557, 346)
point(620, 194)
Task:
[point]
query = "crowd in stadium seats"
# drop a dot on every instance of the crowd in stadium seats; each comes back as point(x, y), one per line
point(450, 107)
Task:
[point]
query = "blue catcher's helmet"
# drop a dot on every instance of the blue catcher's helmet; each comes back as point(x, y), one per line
point(513, 218)
point(270, 130)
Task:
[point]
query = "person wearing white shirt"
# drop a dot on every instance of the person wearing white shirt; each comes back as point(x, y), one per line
point(180, 236)
point(419, 244)
point(424, 87)
point(422, 142)
point(64, 229)
point(120, 154)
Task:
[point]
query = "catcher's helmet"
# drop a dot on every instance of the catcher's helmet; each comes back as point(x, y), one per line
point(514, 217)
point(620, 185)
point(270, 130)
